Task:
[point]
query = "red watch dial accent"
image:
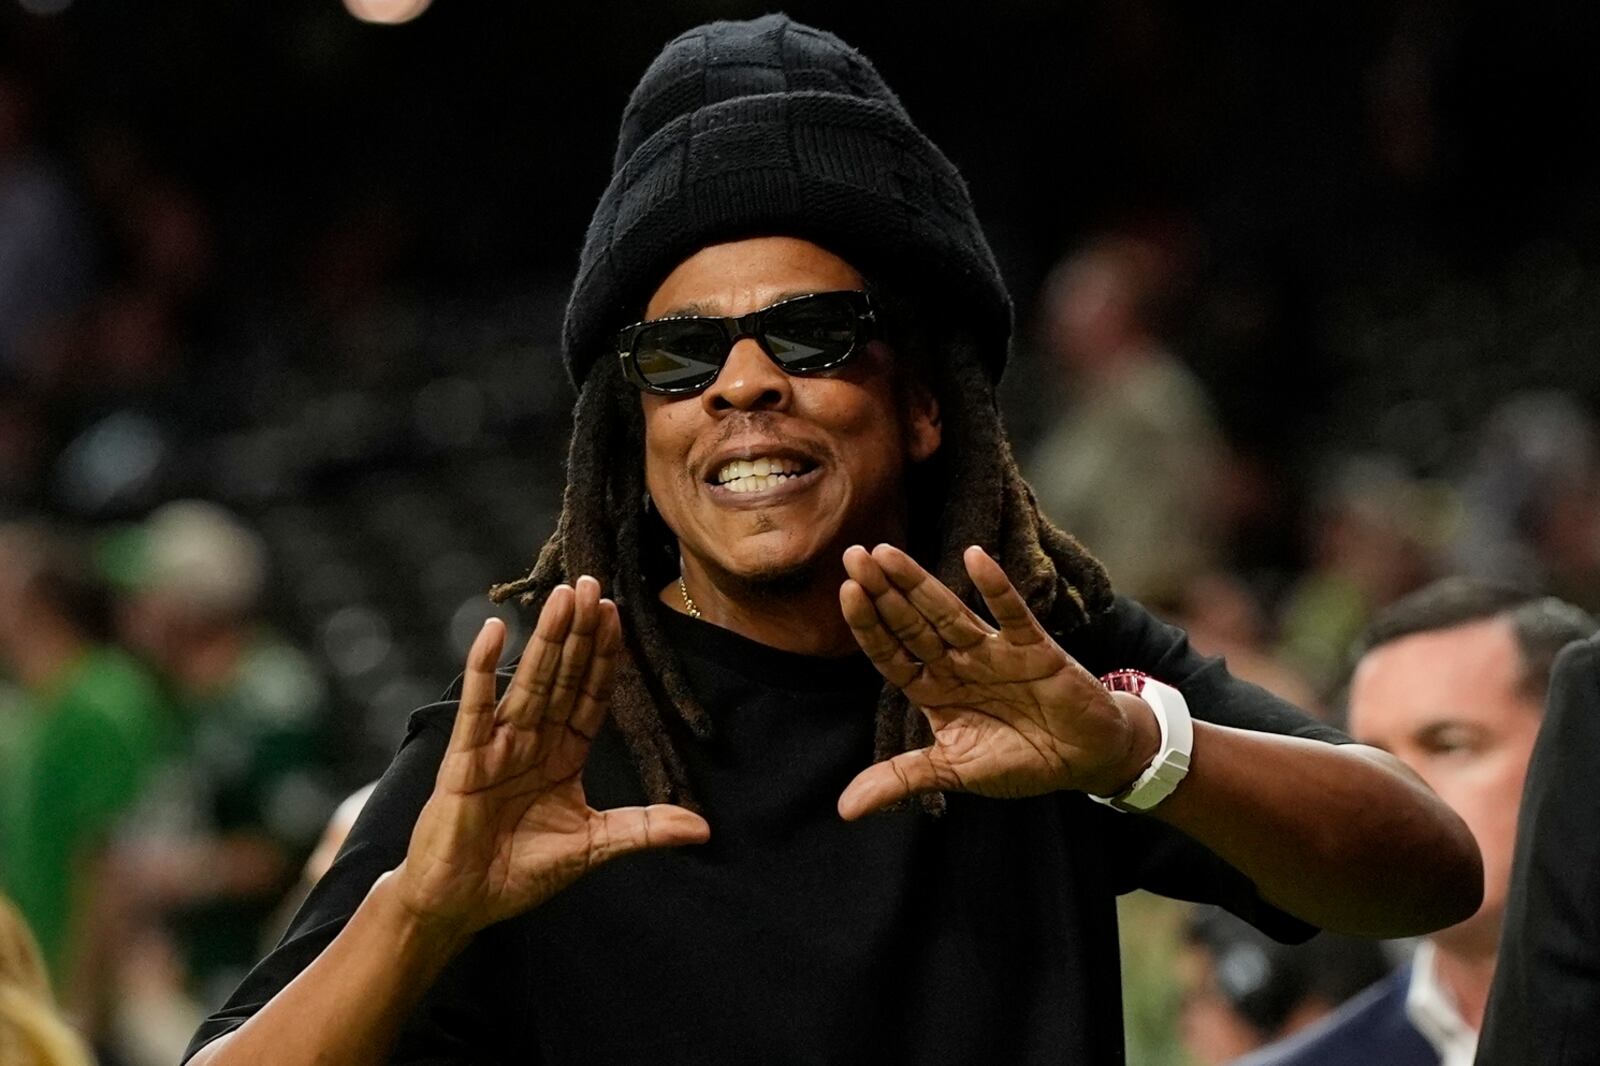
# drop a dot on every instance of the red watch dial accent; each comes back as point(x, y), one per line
point(1125, 681)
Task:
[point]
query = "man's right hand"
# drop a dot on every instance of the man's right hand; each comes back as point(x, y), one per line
point(508, 825)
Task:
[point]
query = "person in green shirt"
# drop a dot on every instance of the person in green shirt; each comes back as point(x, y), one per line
point(85, 738)
point(228, 830)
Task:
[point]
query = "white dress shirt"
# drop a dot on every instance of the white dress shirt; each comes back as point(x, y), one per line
point(1433, 1011)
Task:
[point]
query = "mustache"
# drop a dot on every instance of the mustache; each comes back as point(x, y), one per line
point(767, 425)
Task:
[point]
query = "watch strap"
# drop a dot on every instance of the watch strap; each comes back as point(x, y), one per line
point(1171, 763)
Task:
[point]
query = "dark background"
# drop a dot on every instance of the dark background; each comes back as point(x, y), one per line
point(269, 256)
point(1389, 214)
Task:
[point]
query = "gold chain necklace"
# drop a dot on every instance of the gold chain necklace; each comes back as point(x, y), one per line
point(688, 601)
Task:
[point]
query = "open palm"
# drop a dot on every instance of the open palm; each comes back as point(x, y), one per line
point(508, 825)
point(1012, 713)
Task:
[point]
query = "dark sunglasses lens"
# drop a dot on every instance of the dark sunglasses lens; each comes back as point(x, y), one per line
point(680, 354)
point(812, 332)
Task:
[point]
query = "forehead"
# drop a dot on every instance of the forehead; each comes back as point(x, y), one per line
point(1466, 673)
point(740, 276)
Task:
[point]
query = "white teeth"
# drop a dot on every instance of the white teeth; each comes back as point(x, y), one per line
point(755, 470)
point(755, 482)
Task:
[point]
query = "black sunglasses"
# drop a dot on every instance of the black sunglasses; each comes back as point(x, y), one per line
point(803, 335)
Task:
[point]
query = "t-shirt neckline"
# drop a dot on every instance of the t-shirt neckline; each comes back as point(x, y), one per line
point(760, 662)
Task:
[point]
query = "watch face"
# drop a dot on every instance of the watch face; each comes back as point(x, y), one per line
point(1126, 681)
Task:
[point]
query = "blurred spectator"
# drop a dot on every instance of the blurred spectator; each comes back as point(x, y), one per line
point(1452, 682)
point(1242, 989)
point(44, 246)
point(31, 1032)
point(327, 849)
point(127, 343)
point(92, 728)
point(1133, 466)
point(1373, 533)
point(1222, 617)
point(1531, 499)
point(224, 836)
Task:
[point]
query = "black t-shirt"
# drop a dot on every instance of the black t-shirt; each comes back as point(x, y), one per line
point(986, 935)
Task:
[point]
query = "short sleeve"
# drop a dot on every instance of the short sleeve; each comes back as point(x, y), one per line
point(452, 1019)
point(1148, 854)
point(1129, 637)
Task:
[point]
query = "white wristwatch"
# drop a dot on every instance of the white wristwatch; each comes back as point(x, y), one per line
point(1171, 764)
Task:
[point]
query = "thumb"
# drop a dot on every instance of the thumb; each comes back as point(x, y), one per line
point(883, 784)
point(629, 829)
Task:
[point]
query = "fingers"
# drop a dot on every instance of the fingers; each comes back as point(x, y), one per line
point(661, 825)
point(577, 651)
point(530, 687)
point(475, 714)
point(915, 607)
point(1004, 601)
point(883, 784)
point(950, 618)
point(594, 697)
point(881, 646)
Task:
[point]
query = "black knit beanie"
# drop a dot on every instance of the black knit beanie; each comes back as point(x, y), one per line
point(772, 128)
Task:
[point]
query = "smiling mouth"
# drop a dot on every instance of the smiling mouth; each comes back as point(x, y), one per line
point(759, 474)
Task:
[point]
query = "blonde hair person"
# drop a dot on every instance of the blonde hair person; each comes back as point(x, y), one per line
point(32, 1032)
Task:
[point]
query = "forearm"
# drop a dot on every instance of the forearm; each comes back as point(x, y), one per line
point(1342, 836)
point(349, 1005)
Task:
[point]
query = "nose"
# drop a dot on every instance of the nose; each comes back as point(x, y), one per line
point(748, 381)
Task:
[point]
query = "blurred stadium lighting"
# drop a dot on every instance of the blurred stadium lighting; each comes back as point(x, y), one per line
point(385, 12)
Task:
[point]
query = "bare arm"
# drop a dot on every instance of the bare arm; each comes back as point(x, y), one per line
point(1342, 836)
point(350, 1004)
point(507, 827)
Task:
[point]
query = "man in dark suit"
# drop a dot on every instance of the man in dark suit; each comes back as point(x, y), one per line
point(1452, 680)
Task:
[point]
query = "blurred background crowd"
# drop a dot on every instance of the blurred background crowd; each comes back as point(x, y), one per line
point(1307, 310)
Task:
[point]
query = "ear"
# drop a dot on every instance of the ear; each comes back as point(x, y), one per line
point(924, 431)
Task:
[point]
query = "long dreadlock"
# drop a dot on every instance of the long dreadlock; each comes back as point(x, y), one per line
point(971, 492)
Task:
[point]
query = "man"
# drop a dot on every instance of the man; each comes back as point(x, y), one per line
point(817, 325)
point(1452, 681)
point(1546, 990)
point(1136, 463)
point(229, 828)
point(94, 729)
point(220, 837)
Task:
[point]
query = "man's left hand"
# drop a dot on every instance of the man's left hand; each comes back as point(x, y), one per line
point(1012, 713)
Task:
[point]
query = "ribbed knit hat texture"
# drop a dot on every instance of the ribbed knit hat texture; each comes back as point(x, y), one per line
point(773, 128)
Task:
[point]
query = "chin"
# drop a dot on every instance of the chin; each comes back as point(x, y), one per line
point(774, 572)
point(1477, 936)
point(775, 577)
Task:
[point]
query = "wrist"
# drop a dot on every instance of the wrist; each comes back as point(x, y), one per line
point(1144, 742)
point(1166, 768)
point(416, 929)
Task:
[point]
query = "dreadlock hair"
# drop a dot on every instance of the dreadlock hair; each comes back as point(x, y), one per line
point(969, 492)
